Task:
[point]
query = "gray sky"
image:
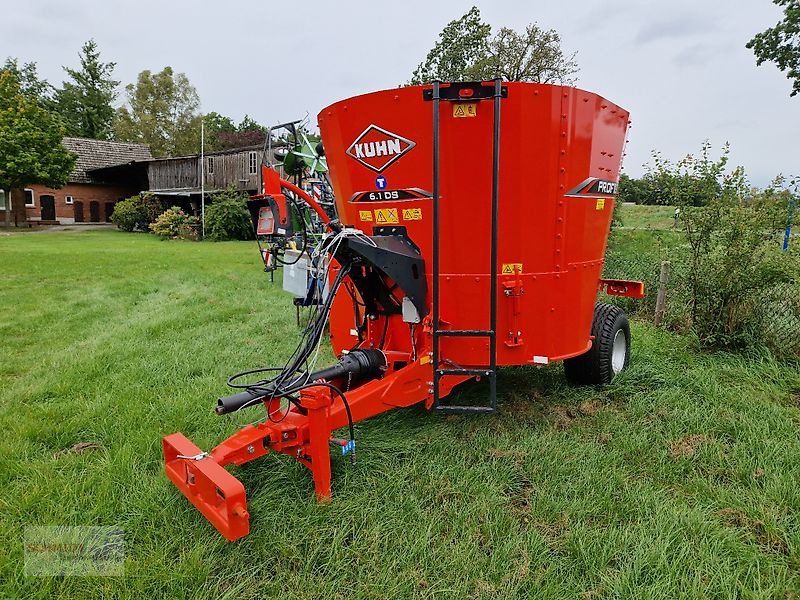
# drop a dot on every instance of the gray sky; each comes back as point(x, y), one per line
point(680, 67)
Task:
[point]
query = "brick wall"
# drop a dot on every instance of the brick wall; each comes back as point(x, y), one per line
point(82, 196)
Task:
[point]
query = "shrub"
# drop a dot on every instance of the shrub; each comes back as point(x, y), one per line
point(227, 218)
point(137, 212)
point(735, 260)
point(174, 223)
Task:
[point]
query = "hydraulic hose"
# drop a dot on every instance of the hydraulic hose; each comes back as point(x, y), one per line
point(358, 364)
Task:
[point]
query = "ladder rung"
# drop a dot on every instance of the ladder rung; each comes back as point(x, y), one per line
point(465, 332)
point(472, 372)
point(447, 408)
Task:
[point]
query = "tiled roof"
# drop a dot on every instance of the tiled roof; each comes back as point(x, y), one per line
point(93, 154)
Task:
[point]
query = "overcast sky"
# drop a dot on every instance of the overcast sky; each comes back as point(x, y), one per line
point(680, 67)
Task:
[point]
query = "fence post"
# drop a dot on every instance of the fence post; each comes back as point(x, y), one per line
point(661, 298)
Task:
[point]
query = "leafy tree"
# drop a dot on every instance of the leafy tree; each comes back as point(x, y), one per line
point(247, 133)
point(217, 125)
point(85, 102)
point(29, 82)
point(161, 112)
point(30, 144)
point(466, 50)
point(534, 55)
point(781, 44)
point(462, 43)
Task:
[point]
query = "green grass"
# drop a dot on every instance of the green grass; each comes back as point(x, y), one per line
point(637, 216)
point(679, 480)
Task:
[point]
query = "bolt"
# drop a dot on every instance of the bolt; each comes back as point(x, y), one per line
point(250, 450)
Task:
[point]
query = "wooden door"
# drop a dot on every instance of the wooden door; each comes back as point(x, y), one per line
point(48, 204)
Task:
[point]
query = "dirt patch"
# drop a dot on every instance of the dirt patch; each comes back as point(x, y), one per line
point(520, 499)
point(767, 541)
point(552, 531)
point(526, 409)
point(688, 446)
point(590, 407)
point(563, 416)
point(78, 448)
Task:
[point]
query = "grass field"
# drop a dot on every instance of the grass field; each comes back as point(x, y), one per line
point(678, 481)
point(647, 217)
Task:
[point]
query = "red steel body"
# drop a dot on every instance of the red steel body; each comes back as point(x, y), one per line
point(560, 154)
point(552, 139)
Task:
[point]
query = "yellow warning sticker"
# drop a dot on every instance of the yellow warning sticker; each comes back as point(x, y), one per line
point(600, 204)
point(511, 268)
point(465, 109)
point(365, 215)
point(386, 216)
point(412, 214)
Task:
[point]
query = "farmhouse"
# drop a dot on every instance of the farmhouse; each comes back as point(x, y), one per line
point(107, 172)
point(86, 198)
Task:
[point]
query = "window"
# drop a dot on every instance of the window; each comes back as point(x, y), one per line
point(30, 198)
point(2, 200)
point(68, 199)
point(210, 165)
point(253, 162)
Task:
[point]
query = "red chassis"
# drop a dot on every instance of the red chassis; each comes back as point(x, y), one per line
point(217, 494)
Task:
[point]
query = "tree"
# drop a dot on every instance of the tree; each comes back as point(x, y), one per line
point(217, 125)
point(161, 112)
point(462, 43)
point(466, 50)
point(29, 82)
point(247, 133)
point(30, 144)
point(534, 56)
point(781, 44)
point(85, 102)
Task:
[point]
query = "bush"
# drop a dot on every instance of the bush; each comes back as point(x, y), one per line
point(137, 212)
point(174, 223)
point(227, 218)
point(735, 260)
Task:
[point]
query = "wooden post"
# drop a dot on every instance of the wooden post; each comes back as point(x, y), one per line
point(661, 298)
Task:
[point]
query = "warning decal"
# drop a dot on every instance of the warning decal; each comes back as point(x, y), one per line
point(465, 109)
point(386, 216)
point(365, 215)
point(600, 204)
point(412, 214)
point(511, 268)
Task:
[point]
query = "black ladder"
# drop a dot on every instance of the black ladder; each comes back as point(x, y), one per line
point(490, 371)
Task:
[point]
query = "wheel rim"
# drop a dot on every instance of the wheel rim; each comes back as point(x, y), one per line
point(619, 352)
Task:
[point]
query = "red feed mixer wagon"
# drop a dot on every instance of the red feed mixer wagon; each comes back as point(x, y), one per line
point(472, 226)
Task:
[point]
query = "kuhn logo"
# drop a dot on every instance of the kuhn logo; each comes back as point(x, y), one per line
point(377, 148)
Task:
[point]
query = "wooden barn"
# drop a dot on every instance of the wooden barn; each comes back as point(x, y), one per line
point(176, 180)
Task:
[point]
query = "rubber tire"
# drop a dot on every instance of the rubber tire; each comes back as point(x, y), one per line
point(594, 367)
